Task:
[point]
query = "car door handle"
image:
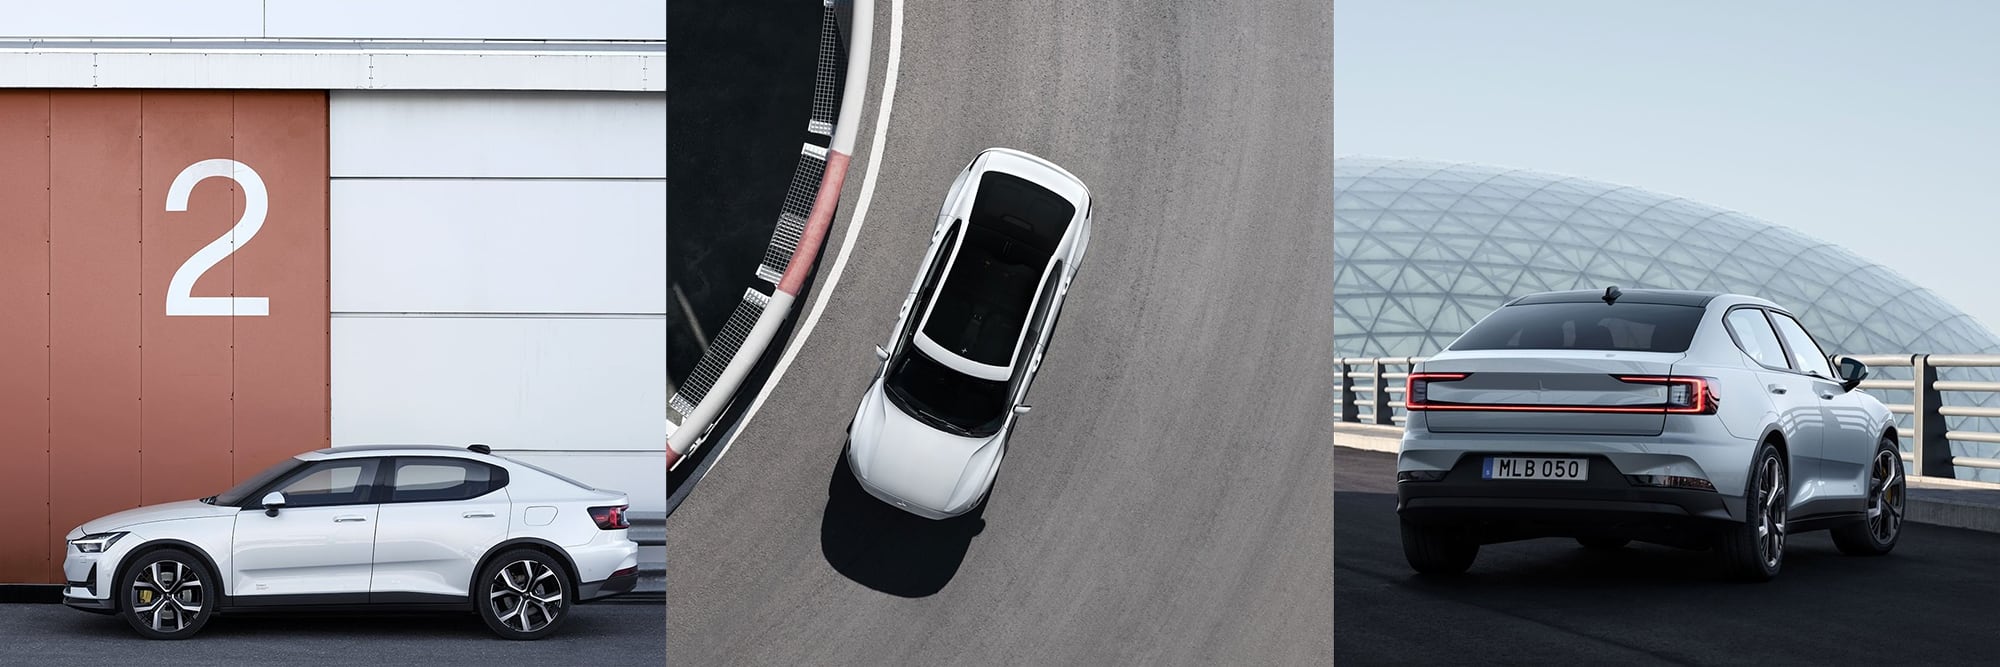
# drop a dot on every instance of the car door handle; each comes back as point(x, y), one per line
point(1777, 389)
point(478, 515)
point(1827, 395)
point(349, 517)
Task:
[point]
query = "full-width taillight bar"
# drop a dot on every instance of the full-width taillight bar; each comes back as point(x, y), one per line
point(1685, 395)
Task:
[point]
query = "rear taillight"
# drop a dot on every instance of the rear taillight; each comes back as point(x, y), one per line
point(1685, 395)
point(610, 518)
point(1416, 391)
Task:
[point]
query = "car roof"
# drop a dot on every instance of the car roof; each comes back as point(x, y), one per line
point(1654, 296)
point(354, 451)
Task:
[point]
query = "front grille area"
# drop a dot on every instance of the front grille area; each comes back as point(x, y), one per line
point(89, 580)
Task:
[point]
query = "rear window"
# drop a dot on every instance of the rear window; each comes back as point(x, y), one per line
point(1630, 327)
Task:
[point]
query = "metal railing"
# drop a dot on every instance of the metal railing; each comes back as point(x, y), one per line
point(1929, 437)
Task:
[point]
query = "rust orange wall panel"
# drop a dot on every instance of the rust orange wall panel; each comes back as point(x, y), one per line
point(185, 446)
point(94, 307)
point(281, 359)
point(132, 374)
point(24, 333)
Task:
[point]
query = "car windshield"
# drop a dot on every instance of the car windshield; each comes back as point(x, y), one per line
point(945, 398)
point(1630, 327)
point(236, 494)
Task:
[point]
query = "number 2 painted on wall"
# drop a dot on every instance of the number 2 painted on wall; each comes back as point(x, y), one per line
point(256, 203)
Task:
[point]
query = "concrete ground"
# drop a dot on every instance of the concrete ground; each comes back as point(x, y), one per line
point(1553, 602)
point(603, 633)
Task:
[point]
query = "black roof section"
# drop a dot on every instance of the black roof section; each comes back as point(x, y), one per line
point(379, 448)
point(1654, 296)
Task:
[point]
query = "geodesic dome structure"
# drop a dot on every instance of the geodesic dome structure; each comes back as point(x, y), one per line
point(1422, 250)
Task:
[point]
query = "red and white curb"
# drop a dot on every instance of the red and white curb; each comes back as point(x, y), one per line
point(681, 438)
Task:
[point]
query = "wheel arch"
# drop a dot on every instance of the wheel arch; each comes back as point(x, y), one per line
point(158, 544)
point(535, 543)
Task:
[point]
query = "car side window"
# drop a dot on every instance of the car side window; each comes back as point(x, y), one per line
point(418, 480)
point(1754, 336)
point(336, 482)
point(1806, 354)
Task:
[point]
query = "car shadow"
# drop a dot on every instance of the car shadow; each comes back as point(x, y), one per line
point(888, 549)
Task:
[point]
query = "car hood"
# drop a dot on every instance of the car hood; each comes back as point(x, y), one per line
point(183, 509)
point(907, 458)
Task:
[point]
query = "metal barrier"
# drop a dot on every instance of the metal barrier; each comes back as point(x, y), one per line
point(1929, 437)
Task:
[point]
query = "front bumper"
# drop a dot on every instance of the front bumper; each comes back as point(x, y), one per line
point(1605, 503)
point(80, 588)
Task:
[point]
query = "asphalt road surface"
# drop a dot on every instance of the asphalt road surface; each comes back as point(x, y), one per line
point(1167, 502)
point(601, 633)
point(1550, 602)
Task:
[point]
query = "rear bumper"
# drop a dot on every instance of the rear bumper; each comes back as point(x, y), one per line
point(619, 583)
point(1605, 503)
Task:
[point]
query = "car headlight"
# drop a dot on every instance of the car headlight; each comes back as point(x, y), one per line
point(95, 543)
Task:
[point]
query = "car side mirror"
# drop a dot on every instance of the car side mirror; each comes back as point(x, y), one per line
point(273, 501)
point(1852, 372)
point(881, 354)
point(1022, 409)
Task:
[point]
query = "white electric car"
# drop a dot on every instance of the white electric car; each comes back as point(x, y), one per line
point(1686, 419)
point(406, 526)
point(931, 429)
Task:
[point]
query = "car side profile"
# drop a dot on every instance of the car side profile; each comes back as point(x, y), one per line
point(1688, 419)
point(423, 527)
point(933, 424)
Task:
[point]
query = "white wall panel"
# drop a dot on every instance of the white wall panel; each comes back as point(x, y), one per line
point(135, 18)
point(469, 19)
point(520, 71)
point(557, 246)
point(477, 134)
point(20, 69)
point(229, 70)
point(638, 474)
point(513, 383)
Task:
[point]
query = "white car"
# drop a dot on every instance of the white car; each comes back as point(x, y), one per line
point(407, 526)
point(931, 429)
point(1688, 419)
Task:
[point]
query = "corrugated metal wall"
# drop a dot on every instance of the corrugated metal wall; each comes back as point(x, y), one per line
point(108, 402)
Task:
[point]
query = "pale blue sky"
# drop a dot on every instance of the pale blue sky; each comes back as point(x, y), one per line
point(1872, 125)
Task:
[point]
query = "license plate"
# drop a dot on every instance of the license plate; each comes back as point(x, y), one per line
point(1535, 467)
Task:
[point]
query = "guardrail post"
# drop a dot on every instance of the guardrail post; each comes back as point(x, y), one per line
point(1932, 455)
point(1383, 415)
point(1350, 411)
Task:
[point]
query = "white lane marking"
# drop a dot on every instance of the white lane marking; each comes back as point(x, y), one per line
point(825, 292)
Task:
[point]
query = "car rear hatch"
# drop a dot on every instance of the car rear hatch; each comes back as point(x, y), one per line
point(1596, 392)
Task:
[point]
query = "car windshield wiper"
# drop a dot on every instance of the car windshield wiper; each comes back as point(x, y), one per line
point(940, 421)
point(210, 500)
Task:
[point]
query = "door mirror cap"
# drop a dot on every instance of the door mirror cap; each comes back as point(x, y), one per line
point(881, 354)
point(1022, 409)
point(273, 501)
point(1851, 372)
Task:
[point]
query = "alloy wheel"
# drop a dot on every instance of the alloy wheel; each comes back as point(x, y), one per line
point(526, 595)
point(168, 596)
point(1771, 510)
point(1885, 496)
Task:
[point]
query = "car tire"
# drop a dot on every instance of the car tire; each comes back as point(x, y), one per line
point(166, 594)
point(1755, 549)
point(1877, 534)
point(1437, 549)
point(523, 594)
point(1603, 543)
